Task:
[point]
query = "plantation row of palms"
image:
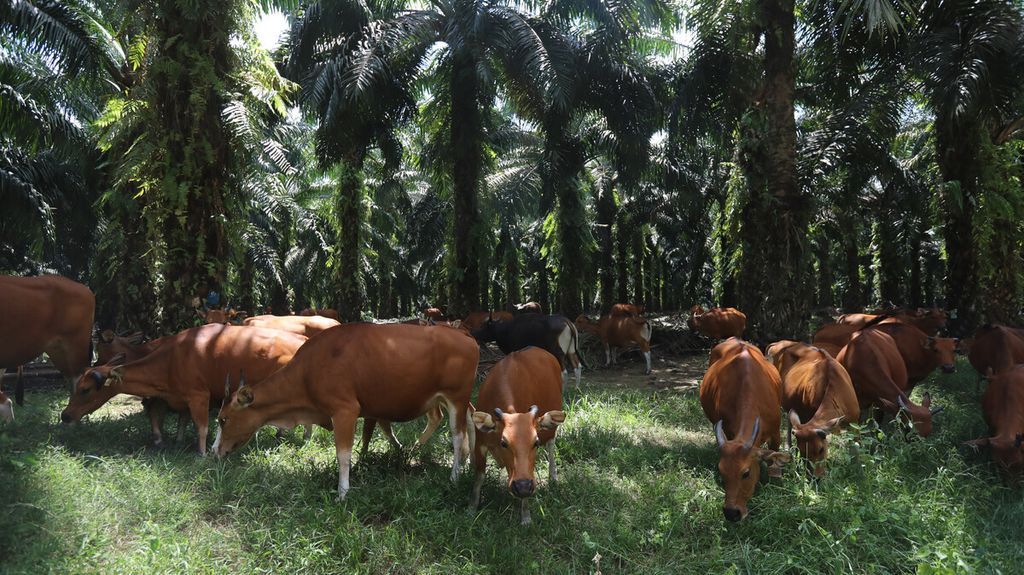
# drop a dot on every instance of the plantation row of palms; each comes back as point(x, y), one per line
point(775, 155)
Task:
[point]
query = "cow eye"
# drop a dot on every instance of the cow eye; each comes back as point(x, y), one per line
point(504, 442)
point(746, 473)
point(84, 391)
point(221, 421)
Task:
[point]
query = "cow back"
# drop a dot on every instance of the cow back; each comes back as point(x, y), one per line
point(996, 348)
point(739, 386)
point(875, 366)
point(524, 378)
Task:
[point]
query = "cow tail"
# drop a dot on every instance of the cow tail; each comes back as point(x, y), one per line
point(19, 386)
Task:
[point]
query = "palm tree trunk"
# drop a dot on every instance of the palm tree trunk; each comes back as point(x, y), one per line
point(958, 162)
point(622, 263)
point(605, 221)
point(771, 283)
point(466, 136)
point(348, 284)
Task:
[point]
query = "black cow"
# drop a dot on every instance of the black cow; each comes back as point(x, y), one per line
point(553, 333)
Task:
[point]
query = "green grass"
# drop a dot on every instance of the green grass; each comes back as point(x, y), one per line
point(637, 486)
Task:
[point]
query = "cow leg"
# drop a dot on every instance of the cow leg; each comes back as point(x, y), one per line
point(199, 409)
point(155, 409)
point(550, 450)
point(647, 358)
point(368, 426)
point(344, 433)
point(459, 438)
point(479, 472)
point(307, 431)
point(389, 433)
point(434, 417)
point(607, 355)
point(775, 469)
point(182, 424)
point(19, 386)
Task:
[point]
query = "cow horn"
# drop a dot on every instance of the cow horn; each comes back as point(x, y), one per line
point(241, 378)
point(227, 385)
point(533, 410)
point(937, 410)
point(1017, 441)
point(753, 435)
point(720, 433)
point(498, 413)
point(901, 402)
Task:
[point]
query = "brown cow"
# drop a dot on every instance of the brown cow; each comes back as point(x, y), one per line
point(880, 378)
point(742, 396)
point(524, 393)
point(322, 312)
point(1003, 407)
point(433, 313)
point(921, 353)
point(45, 314)
point(477, 319)
point(187, 370)
point(389, 372)
point(719, 323)
point(996, 348)
point(305, 325)
point(816, 390)
point(626, 310)
point(620, 331)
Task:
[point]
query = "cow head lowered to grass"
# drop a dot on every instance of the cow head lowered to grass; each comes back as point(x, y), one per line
point(739, 465)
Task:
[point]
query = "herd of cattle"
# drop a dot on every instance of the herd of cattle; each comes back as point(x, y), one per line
point(286, 371)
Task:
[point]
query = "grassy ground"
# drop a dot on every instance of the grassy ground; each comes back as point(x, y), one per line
point(637, 489)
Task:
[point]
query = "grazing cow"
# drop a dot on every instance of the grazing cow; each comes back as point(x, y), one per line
point(305, 325)
point(742, 397)
point(1003, 408)
point(996, 348)
point(529, 307)
point(620, 331)
point(477, 319)
point(215, 316)
point(879, 377)
point(187, 370)
point(389, 372)
point(921, 353)
point(524, 394)
point(433, 313)
point(553, 333)
point(50, 314)
point(626, 310)
point(817, 391)
point(322, 312)
point(719, 323)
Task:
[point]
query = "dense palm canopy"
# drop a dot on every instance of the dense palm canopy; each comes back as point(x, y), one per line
point(786, 157)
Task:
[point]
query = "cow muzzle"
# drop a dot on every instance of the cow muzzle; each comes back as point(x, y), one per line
point(66, 417)
point(948, 368)
point(522, 487)
point(733, 514)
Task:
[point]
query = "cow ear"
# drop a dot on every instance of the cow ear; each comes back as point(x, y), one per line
point(888, 405)
point(483, 421)
point(976, 443)
point(116, 374)
point(107, 336)
point(244, 397)
point(551, 419)
point(118, 359)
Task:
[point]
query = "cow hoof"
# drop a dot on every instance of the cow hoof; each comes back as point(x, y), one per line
point(340, 497)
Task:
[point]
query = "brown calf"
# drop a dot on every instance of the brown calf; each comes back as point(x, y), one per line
point(524, 394)
point(742, 396)
point(389, 372)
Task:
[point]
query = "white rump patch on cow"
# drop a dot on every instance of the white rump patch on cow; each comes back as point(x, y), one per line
point(7, 410)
